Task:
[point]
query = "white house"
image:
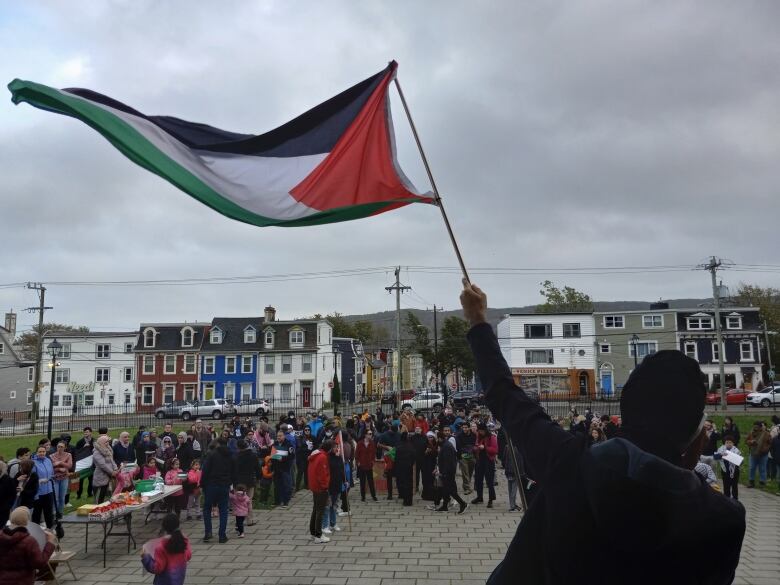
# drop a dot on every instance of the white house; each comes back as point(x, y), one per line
point(94, 369)
point(550, 353)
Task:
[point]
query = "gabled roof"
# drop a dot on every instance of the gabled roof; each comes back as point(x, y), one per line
point(233, 335)
point(168, 336)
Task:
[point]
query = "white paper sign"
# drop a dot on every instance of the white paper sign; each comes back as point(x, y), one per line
point(733, 458)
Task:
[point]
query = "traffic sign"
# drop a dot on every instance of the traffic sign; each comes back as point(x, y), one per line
point(454, 386)
point(770, 374)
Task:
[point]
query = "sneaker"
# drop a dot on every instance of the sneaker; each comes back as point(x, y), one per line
point(337, 529)
point(68, 505)
point(223, 539)
point(477, 500)
point(490, 504)
point(327, 531)
point(431, 507)
point(375, 499)
point(463, 507)
point(440, 510)
point(345, 513)
point(284, 506)
point(241, 535)
point(321, 540)
point(207, 538)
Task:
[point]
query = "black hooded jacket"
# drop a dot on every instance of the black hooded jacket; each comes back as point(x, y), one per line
point(219, 468)
point(617, 511)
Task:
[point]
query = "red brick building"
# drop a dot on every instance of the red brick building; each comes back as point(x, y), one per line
point(167, 363)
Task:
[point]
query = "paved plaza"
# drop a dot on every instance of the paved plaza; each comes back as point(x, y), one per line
point(387, 545)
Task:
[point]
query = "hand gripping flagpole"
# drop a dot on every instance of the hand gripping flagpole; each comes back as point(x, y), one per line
point(440, 205)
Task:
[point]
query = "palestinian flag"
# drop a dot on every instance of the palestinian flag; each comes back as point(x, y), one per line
point(334, 163)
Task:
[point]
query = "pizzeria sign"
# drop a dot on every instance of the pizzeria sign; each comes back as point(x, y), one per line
point(540, 371)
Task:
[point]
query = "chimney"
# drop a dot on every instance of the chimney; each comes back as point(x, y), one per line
point(270, 314)
point(10, 323)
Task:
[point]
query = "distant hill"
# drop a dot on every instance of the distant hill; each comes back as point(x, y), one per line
point(387, 318)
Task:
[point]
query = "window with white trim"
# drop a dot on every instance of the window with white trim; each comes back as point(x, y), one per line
point(189, 392)
point(605, 348)
point(216, 336)
point(111, 400)
point(746, 351)
point(170, 364)
point(539, 356)
point(613, 322)
point(691, 349)
point(268, 391)
point(286, 364)
point(128, 398)
point(102, 375)
point(268, 364)
point(652, 321)
point(572, 330)
point(306, 362)
point(246, 392)
point(286, 392)
point(62, 376)
point(67, 400)
point(716, 353)
point(169, 391)
point(64, 352)
point(208, 364)
point(2, 348)
point(56, 400)
point(296, 338)
point(103, 351)
point(147, 395)
point(128, 348)
point(189, 363)
point(12, 395)
point(734, 322)
point(149, 339)
point(89, 399)
point(246, 364)
point(642, 348)
point(186, 337)
point(250, 335)
point(699, 323)
point(31, 374)
point(29, 396)
point(127, 374)
point(229, 390)
point(148, 364)
point(537, 330)
point(269, 339)
point(230, 364)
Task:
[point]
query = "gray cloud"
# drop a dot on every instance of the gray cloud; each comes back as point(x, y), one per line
point(561, 134)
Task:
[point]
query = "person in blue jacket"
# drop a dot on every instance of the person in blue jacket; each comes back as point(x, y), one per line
point(632, 503)
point(44, 503)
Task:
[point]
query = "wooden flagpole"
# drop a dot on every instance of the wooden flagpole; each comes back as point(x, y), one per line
point(440, 204)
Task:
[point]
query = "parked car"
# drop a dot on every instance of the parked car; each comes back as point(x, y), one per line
point(766, 397)
point(466, 399)
point(215, 408)
point(256, 406)
point(171, 410)
point(733, 396)
point(428, 401)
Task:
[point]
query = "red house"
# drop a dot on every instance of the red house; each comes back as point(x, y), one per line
point(167, 363)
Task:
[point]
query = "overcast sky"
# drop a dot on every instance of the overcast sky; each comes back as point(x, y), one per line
point(561, 134)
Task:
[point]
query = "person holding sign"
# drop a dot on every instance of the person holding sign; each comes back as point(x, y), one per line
point(730, 460)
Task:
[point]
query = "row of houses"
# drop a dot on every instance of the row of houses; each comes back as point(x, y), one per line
point(577, 355)
point(287, 362)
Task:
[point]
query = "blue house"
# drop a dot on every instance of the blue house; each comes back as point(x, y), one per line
point(229, 359)
point(349, 364)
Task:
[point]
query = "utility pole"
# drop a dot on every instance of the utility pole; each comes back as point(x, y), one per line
point(41, 308)
point(713, 266)
point(398, 288)
point(436, 353)
point(771, 371)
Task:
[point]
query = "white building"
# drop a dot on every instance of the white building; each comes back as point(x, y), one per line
point(550, 353)
point(94, 369)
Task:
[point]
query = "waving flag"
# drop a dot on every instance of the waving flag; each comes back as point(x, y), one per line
point(335, 162)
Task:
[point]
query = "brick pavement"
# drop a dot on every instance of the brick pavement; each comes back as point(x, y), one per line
point(388, 545)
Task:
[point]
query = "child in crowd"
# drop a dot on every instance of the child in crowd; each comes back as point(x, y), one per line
point(240, 502)
point(193, 500)
point(150, 469)
point(174, 477)
point(730, 471)
point(167, 557)
point(124, 479)
point(267, 477)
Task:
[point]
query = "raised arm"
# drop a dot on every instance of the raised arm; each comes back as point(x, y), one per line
point(541, 442)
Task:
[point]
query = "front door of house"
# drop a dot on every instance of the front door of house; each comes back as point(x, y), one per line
point(306, 392)
point(606, 383)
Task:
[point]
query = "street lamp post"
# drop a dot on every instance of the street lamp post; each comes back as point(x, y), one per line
point(55, 347)
point(634, 339)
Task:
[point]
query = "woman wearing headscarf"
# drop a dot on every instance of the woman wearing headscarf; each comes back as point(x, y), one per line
point(26, 484)
point(20, 555)
point(105, 467)
point(166, 451)
point(184, 451)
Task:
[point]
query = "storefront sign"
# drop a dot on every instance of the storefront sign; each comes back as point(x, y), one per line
point(540, 371)
point(74, 388)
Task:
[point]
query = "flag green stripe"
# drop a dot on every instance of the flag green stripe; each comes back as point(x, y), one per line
point(141, 151)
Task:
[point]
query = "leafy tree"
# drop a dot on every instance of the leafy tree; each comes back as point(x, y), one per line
point(420, 342)
point(364, 330)
point(767, 299)
point(335, 393)
point(454, 351)
point(29, 339)
point(563, 300)
point(341, 327)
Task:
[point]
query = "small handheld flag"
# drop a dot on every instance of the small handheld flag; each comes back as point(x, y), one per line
point(335, 162)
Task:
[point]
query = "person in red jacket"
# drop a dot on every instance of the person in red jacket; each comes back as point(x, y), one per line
point(485, 452)
point(318, 474)
point(20, 555)
point(365, 455)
